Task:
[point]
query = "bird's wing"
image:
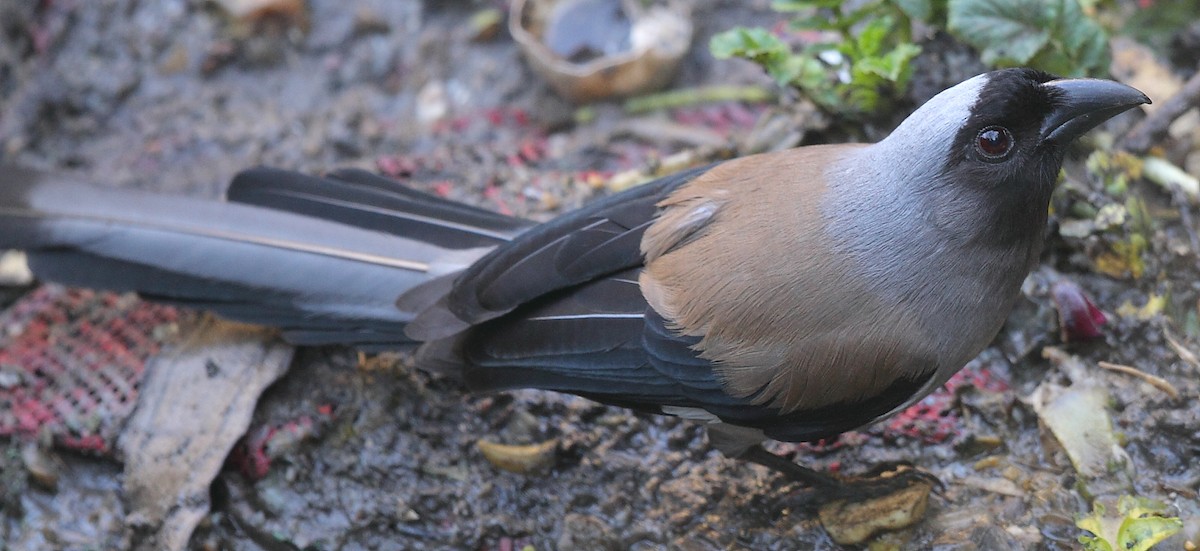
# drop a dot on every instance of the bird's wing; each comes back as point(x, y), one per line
point(574, 249)
point(598, 340)
point(558, 308)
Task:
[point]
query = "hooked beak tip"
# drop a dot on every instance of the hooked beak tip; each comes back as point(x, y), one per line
point(1084, 104)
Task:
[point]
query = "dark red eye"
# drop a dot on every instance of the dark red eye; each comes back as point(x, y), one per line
point(994, 143)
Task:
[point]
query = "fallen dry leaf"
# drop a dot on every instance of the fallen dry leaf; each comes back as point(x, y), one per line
point(1077, 416)
point(520, 459)
point(196, 401)
point(853, 522)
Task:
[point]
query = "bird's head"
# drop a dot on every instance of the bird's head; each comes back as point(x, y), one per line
point(981, 158)
point(971, 170)
point(1009, 128)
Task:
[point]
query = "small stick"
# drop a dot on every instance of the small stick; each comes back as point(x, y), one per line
point(694, 96)
point(1156, 381)
point(1184, 353)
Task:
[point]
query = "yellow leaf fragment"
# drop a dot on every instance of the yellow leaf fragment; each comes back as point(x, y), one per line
point(520, 459)
point(1154, 306)
point(853, 522)
point(1123, 259)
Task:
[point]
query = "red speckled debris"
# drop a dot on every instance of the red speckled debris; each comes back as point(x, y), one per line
point(722, 118)
point(397, 166)
point(933, 420)
point(830, 445)
point(509, 543)
point(249, 457)
point(253, 454)
point(1078, 317)
point(71, 361)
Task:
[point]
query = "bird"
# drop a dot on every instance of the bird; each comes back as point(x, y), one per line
point(793, 295)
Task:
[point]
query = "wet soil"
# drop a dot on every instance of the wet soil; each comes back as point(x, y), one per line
point(170, 95)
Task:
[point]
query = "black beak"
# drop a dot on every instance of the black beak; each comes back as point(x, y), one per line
point(1082, 104)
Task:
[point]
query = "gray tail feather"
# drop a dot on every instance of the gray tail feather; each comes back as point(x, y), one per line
point(299, 253)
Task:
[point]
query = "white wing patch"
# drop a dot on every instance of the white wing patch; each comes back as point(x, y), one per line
point(691, 414)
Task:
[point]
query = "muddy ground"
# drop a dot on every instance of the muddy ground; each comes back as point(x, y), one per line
point(171, 95)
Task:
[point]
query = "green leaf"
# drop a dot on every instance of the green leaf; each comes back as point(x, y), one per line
point(1141, 523)
point(1053, 60)
point(870, 40)
point(1144, 524)
point(1055, 35)
point(792, 71)
point(816, 24)
point(752, 44)
point(1006, 32)
point(762, 47)
point(877, 67)
point(892, 69)
point(810, 73)
point(895, 65)
point(920, 10)
point(872, 37)
point(846, 21)
point(801, 5)
point(1100, 526)
point(1083, 41)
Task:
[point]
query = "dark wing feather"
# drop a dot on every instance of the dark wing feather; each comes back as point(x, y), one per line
point(575, 248)
point(584, 341)
point(362, 199)
point(602, 316)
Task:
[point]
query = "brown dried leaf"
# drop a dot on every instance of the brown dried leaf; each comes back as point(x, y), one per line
point(852, 523)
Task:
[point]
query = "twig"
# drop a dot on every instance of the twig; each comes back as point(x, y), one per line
point(693, 96)
point(1171, 177)
point(1154, 127)
point(1184, 353)
point(1156, 381)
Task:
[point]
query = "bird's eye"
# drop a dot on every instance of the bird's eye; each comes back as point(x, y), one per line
point(994, 143)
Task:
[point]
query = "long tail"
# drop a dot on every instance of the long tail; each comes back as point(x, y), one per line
point(323, 259)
